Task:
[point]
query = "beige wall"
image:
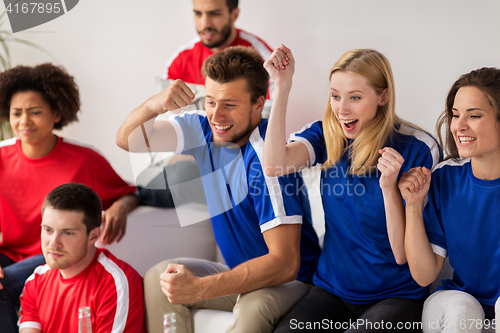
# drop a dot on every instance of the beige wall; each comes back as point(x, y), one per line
point(115, 48)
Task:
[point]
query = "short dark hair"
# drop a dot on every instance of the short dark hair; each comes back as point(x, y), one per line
point(232, 5)
point(57, 87)
point(486, 79)
point(76, 197)
point(235, 62)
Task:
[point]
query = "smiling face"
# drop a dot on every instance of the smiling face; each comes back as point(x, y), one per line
point(65, 243)
point(354, 102)
point(474, 125)
point(32, 120)
point(214, 23)
point(231, 114)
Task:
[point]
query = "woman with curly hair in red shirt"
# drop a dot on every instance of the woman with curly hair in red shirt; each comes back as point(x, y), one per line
point(36, 101)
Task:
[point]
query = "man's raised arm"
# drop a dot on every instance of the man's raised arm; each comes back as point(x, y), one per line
point(141, 133)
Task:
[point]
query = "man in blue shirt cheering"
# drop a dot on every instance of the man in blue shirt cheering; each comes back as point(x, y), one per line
point(261, 224)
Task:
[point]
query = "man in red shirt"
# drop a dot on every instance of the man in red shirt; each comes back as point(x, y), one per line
point(214, 21)
point(78, 274)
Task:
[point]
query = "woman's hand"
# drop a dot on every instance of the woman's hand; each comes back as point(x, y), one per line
point(389, 165)
point(281, 66)
point(414, 185)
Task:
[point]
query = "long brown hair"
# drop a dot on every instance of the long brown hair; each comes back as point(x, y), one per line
point(486, 79)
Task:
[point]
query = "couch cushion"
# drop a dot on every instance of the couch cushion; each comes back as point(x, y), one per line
point(211, 321)
point(155, 234)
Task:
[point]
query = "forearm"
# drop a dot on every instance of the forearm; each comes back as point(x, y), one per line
point(275, 142)
point(130, 136)
point(126, 203)
point(30, 330)
point(395, 220)
point(268, 270)
point(423, 262)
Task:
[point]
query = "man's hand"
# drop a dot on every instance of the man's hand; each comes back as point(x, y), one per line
point(141, 133)
point(175, 97)
point(114, 219)
point(415, 184)
point(281, 66)
point(180, 285)
point(389, 165)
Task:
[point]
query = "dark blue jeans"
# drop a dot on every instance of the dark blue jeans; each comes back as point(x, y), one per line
point(322, 311)
point(15, 274)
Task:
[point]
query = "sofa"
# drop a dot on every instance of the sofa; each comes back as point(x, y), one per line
point(155, 234)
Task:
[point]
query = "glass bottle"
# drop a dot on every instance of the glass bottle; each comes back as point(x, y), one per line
point(169, 323)
point(84, 324)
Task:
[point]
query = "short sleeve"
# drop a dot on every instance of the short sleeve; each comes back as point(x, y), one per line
point(424, 158)
point(432, 219)
point(29, 317)
point(422, 150)
point(190, 128)
point(135, 318)
point(174, 68)
point(311, 135)
point(119, 306)
point(276, 199)
point(107, 184)
point(105, 309)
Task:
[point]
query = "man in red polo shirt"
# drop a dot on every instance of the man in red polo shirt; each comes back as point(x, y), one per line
point(78, 274)
point(214, 20)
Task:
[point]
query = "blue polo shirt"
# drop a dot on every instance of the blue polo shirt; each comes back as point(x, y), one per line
point(243, 202)
point(462, 221)
point(357, 263)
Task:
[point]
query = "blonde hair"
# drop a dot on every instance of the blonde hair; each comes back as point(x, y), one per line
point(375, 67)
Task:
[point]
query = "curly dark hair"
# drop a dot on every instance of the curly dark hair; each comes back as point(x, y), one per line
point(56, 86)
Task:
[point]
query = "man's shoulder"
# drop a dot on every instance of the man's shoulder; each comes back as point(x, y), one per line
point(248, 39)
point(42, 270)
point(254, 151)
point(41, 277)
point(188, 51)
point(114, 267)
point(255, 144)
point(191, 118)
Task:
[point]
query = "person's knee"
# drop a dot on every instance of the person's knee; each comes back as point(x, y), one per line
point(464, 305)
point(448, 309)
point(258, 305)
point(152, 276)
